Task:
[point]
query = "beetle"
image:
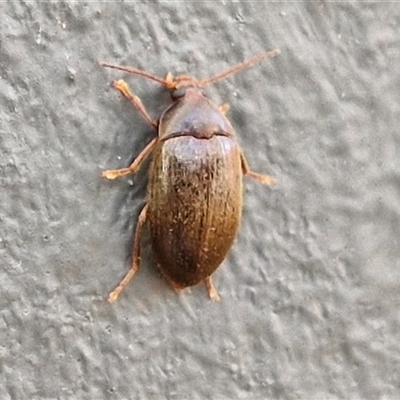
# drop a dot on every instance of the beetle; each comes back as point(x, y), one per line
point(195, 182)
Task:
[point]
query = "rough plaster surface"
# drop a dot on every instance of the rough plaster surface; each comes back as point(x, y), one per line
point(310, 291)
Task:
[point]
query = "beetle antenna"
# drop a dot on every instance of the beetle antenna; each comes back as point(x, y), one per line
point(238, 67)
point(135, 71)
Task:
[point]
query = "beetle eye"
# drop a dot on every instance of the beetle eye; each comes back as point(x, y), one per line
point(177, 93)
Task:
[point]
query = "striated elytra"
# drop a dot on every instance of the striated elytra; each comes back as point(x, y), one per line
point(195, 184)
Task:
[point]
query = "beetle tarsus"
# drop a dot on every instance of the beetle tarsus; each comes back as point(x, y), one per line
point(115, 173)
point(264, 179)
point(212, 292)
point(123, 87)
point(113, 296)
point(135, 257)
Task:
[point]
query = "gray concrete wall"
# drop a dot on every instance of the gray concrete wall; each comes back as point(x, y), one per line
point(310, 290)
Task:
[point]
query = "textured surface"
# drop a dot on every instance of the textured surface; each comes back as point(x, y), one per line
point(310, 291)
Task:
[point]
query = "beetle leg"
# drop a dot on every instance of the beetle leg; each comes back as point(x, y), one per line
point(265, 179)
point(135, 257)
point(123, 87)
point(224, 108)
point(212, 292)
point(115, 173)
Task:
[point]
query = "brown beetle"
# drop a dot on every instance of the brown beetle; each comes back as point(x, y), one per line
point(195, 184)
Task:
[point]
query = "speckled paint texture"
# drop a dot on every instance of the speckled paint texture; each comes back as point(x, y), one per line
point(311, 288)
